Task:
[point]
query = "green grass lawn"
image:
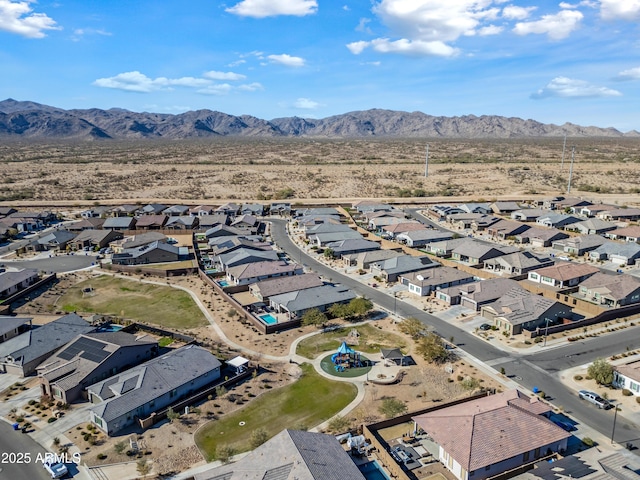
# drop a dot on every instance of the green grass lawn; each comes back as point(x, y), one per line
point(371, 340)
point(134, 300)
point(308, 402)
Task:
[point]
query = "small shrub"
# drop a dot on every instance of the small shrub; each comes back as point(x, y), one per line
point(587, 441)
point(637, 399)
point(51, 420)
point(577, 377)
point(102, 456)
point(626, 392)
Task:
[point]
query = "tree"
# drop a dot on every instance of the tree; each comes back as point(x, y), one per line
point(392, 407)
point(329, 254)
point(432, 348)
point(360, 306)
point(258, 437)
point(338, 424)
point(314, 316)
point(412, 327)
point(225, 453)
point(143, 467)
point(120, 447)
point(601, 371)
point(172, 415)
point(340, 310)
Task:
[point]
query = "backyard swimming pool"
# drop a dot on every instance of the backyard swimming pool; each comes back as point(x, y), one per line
point(111, 328)
point(269, 319)
point(223, 283)
point(373, 471)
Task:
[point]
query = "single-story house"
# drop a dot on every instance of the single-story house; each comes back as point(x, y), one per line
point(54, 241)
point(309, 220)
point(364, 260)
point(14, 280)
point(89, 358)
point(207, 222)
point(183, 222)
point(519, 310)
point(280, 208)
point(126, 210)
point(156, 252)
point(265, 289)
point(136, 241)
point(380, 222)
point(96, 212)
point(487, 436)
point(562, 275)
point(222, 245)
point(352, 246)
point(202, 210)
point(475, 295)
point(424, 282)
point(517, 263)
point(628, 234)
point(529, 214)
point(6, 211)
point(391, 268)
point(628, 376)
point(291, 454)
point(593, 210)
point(322, 239)
point(245, 222)
point(610, 290)
point(152, 209)
point(483, 208)
point(243, 256)
point(618, 253)
point(626, 214)
point(223, 231)
point(316, 229)
point(254, 209)
point(85, 224)
point(557, 220)
point(254, 272)
point(476, 253)
point(151, 222)
point(483, 223)
point(441, 212)
point(176, 210)
point(504, 208)
point(445, 248)
point(579, 245)
point(13, 326)
point(506, 228)
point(94, 239)
point(141, 391)
point(297, 302)
point(229, 209)
point(540, 236)
point(392, 231)
point(420, 238)
point(119, 223)
point(317, 211)
point(592, 226)
point(21, 354)
point(464, 220)
point(570, 203)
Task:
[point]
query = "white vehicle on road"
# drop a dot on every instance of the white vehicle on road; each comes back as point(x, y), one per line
point(55, 469)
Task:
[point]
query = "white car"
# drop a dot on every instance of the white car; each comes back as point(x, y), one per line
point(55, 469)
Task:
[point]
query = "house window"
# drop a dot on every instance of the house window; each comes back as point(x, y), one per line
point(525, 457)
point(634, 386)
point(536, 452)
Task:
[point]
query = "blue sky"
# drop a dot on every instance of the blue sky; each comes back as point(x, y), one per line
point(550, 61)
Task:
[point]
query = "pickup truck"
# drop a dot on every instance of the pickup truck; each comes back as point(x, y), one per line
point(594, 398)
point(55, 469)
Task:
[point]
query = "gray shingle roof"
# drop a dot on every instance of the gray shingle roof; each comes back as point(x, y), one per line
point(118, 222)
point(10, 279)
point(520, 306)
point(404, 263)
point(8, 324)
point(280, 285)
point(315, 297)
point(139, 385)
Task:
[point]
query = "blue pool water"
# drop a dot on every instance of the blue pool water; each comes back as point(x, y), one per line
point(223, 283)
point(112, 328)
point(269, 319)
point(373, 471)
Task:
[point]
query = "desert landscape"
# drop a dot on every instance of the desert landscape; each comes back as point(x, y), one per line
point(308, 170)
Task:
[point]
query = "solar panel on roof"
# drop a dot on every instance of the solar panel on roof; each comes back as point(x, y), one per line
point(93, 350)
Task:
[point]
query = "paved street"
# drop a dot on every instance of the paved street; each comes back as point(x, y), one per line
point(18, 455)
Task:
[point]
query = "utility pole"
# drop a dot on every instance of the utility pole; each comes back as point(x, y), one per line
point(573, 154)
point(564, 145)
point(426, 163)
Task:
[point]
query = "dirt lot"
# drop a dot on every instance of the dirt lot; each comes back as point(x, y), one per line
point(211, 171)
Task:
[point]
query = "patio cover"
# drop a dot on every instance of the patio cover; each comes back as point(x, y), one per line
point(239, 363)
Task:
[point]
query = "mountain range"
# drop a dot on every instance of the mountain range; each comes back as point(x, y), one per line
point(30, 120)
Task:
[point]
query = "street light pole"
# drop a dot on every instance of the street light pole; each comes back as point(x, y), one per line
point(546, 330)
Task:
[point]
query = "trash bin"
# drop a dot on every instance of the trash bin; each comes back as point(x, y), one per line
point(16, 426)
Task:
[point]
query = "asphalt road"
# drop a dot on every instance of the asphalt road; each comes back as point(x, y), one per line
point(14, 447)
point(540, 369)
point(54, 264)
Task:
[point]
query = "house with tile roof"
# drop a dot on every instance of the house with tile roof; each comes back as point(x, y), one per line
point(391, 231)
point(580, 245)
point(255, 209)
point(86, 224)
point(506, 228)
point(94, 239)
point(628, 376)
point(176, 210)
point(297, 302)
point(592, 226)
point(156, 252)
point(280, 208)
point(352, 246)
point(445, 248)
point(483, 208)
point(316, 229)
point(485, 222)
point(89, 358)
point(119, 223)
point(13, 326)
point(475, 295)
point(243, 256)
point(391, 268)
point(517, 263)
point(13, 280)
point(557, 220)
point(151, 222)
point(519, 310)
point(540, 236)
point(626, 214)
point(21, 355)
point(610, 290)
point(206, 222)
point(247, 273)
point(464, 220)
point(424, 282)
point(528, 214)
point(54, 241)
point(291, 454)
point(562, 275)
point(138, 240)
point(137, 393)
point(504, 208)
point(263, 290)
point(152, 209)
point(490, 435)
point(322, 239)
point(627, 253)
point(628, 234)
point(420, 238)
point(364, 260)
point(476, 253)
point(183, 222)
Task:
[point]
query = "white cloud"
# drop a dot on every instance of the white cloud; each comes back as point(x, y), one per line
point(236, 63)
point(556, 26)
point(513, 12)
point(362, 26)
point(286, 60)
point(78, 33)
point(306, 103)
point(571, 88)
point(218, 89)
point(272, 8)
point(17, 17)
point(620, 9)
point(405, 47)
point(490, 30)
point(630, 74)
point(214, 75)
point(139, 82)
point(251, 87)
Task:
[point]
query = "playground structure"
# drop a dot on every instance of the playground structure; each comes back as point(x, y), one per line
point(346, 358)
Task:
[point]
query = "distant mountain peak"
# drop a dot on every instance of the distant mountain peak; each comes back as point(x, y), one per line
point(25, 119)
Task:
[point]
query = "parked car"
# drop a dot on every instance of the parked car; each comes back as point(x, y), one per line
point(594, 398)
point(485, 326)
point(55, 469)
